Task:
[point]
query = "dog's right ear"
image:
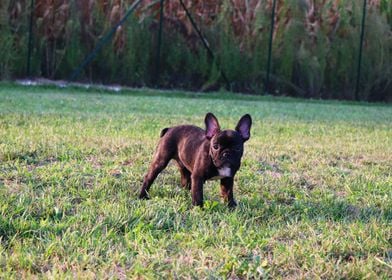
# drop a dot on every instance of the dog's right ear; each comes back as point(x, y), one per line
point(212, 125)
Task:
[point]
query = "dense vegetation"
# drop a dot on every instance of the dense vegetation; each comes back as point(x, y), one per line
point(314, 189)
point(315, 46)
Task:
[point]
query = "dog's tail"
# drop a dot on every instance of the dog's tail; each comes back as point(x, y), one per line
point(163, 132)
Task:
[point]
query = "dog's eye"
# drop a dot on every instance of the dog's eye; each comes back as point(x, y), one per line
point(215, 146)
point(237, 148)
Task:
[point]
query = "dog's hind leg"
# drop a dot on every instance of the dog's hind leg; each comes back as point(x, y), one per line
point(160, 161)
point(185, 176)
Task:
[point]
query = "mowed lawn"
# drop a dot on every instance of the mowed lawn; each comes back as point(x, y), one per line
point(314, 191)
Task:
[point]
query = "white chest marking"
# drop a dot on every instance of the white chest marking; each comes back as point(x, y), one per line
point(223, 172)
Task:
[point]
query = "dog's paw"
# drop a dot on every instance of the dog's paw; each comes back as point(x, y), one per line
point(144, 196)
point(232, 204)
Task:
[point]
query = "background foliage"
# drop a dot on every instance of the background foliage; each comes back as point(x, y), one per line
point(315, 45)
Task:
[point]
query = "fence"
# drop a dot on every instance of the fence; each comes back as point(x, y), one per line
point(330, 49)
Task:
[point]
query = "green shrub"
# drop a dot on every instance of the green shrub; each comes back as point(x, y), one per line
point(319, 63)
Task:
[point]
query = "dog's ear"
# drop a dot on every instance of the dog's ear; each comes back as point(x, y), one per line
point(212, 125)
point(243, 127)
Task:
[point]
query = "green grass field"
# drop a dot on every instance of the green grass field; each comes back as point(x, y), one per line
point(314, 191)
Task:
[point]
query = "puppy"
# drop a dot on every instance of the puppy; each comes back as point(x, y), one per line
point(201, 155)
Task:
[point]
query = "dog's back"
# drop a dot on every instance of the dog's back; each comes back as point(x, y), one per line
point(180, 140)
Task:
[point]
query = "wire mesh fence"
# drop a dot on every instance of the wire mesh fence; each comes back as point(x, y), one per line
point(318, 49)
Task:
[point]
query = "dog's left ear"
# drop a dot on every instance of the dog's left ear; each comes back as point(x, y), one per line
point(243, 127)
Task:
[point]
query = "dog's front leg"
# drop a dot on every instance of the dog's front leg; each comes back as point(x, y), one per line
point(197, 190)
point(227, 191)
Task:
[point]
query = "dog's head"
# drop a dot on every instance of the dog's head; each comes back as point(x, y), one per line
point(227, 146)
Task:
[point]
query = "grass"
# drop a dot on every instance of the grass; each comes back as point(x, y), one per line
point(314, 190)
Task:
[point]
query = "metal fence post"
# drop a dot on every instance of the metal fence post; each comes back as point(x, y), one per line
point(30, 41)
point(158, 57)
point(270, 46)
point(104, 41)
point(205, 44)
point(360, 50)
